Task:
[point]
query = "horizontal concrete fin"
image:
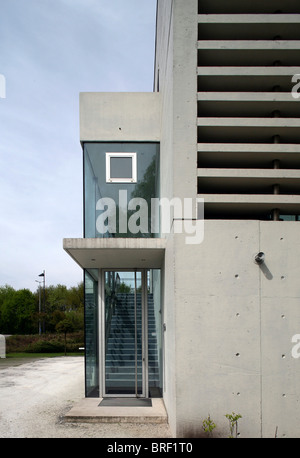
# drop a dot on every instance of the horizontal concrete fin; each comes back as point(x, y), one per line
point(249, 18)
point(249, 44)
point(248, 71)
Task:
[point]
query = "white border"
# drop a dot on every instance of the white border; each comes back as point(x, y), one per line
point(121, 180)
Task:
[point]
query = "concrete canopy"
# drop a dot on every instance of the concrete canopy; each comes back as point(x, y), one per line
point(116, 253)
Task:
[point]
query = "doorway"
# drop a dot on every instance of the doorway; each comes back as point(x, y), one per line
point(131, 333)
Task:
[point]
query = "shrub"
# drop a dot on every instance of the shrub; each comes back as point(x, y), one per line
point(74, 347)
point(44, 343)
point(18, 343)
point(43, 346)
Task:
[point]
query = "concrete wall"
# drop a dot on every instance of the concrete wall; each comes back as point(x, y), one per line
point(234, 325)
point(280, 320)
point(164, 82)
point(229, 322)
point(185, 98)
point(106, 116)
point(175, 62)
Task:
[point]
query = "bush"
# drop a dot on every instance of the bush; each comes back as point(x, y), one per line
point(47, 343)
point(43, 346)
point(18, 343)
point(74, 347)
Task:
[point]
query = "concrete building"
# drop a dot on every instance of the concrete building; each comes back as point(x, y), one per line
point(203, 323)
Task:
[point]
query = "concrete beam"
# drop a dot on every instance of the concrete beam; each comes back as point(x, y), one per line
point(249, 148)
point(266, 174)
point(277, 123)
point(248, 18)
point(256, 199)
point(246, 97)
point(248, 71)
point(249, 45)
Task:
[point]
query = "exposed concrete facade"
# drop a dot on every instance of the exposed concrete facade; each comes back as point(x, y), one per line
point(119, 116)
point(229, 322)
point(235, 322)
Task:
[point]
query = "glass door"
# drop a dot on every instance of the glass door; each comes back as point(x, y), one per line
point(125, 339)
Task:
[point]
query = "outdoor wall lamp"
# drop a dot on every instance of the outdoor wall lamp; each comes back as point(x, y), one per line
point(259, 258)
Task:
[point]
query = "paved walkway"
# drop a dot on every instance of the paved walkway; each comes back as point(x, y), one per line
point(37, 396)
point(11, 362)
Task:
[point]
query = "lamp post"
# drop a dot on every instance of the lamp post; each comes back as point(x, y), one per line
point(44, 297)
point(40, 329)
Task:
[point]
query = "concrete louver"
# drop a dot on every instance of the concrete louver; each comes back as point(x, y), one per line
point(248, 123)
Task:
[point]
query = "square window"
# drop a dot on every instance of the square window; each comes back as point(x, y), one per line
point(121, 168)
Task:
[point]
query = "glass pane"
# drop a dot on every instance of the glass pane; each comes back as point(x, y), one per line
point(154, 333)
point(123, 333)
point(96, 187)
point(121, 167)
point(91, 333)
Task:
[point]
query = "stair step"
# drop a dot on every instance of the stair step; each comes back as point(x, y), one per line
point(120, 345)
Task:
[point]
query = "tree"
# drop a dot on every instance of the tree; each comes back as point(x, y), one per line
point(6, 293)
point(57, 297)
point(65, 326)
point(24, 302)
point(61, 300)
point(75, 298)
point(18, 311)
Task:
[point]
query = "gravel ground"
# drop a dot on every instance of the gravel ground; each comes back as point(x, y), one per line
point(35, 396)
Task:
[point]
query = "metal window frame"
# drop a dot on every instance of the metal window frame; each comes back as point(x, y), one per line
point(133, 178)
point(101, 324)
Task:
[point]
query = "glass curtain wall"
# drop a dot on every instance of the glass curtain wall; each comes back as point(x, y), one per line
point(123, 333)
point(133, 333)
point(96, 186)
point(91, 333)
point(155, 333)
point(128, 185)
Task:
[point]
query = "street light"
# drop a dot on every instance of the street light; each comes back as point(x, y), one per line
point(44, 298)
point(40, 330)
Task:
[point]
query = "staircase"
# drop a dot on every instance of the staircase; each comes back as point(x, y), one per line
point(120, 346)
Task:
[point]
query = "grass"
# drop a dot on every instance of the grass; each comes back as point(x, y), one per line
point(41, 355)
point(19, 358)
point(25, 348)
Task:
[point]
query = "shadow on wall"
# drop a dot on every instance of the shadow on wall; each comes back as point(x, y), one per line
point(266, 271)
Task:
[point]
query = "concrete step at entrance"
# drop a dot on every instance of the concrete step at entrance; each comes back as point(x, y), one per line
point(88, 410)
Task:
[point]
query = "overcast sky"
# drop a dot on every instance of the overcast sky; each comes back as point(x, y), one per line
point(50, 51)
